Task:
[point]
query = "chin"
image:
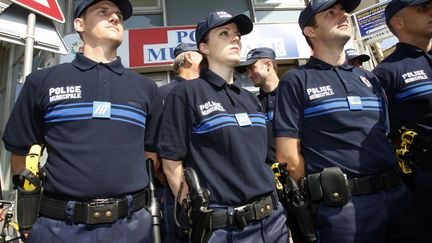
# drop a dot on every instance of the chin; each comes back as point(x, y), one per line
point(235, 61)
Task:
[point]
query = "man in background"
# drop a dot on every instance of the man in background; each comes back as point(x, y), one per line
point(354, 58)
point(186, 66)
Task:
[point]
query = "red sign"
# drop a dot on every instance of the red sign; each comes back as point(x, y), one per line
point(47, 8)
point(155, 46)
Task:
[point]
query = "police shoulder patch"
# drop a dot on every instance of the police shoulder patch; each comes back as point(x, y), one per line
point(366, 81)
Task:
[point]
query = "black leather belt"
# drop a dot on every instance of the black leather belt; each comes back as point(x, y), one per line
point(97, 211)
point(374, 183)
point(243, 215)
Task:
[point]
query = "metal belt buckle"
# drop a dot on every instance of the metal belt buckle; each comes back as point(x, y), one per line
point(263, 208)
point(102, 211)
point(239, 216)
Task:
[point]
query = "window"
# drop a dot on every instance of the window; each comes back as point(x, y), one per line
point(3, 5)
point(146, 13)
point(146, 6)
point(159, 78)
point(279, 3)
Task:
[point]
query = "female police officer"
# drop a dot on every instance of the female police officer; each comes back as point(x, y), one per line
point(218, 129)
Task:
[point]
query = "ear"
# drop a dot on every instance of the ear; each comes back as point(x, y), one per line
point(269, 65)
point(397, 22)
point(188, 57)
point(309, 31)
point(203, 47)
point(79, 25)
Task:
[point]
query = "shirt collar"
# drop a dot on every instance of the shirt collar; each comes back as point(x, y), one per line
point(217, 80)
point(262, 92)
point(179, 78)
point(409, 50)
point(319, 64)
point(84, 63)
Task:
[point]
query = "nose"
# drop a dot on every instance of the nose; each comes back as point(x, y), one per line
point(236, 39)
point(115, 18)
point(343, 14)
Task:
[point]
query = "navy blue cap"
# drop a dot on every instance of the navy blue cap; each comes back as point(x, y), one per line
point(124, 6)
point(316, 6)
point(220, 18)
point(184, 47)
point(353, 53)
point(254, 55)
point(396, 5)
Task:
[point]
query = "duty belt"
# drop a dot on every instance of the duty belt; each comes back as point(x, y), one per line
point(243, 215)
point(96, 211)
point(374, 183)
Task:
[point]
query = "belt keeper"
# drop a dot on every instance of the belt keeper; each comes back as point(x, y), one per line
point(230, 216)
point(129, 199)
point(70, 212)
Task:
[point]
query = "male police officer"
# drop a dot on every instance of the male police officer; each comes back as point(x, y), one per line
point(406, 77)
point(97, 120)
point(261, 69)
point(354, 58)
point(186, 66)
point(330, 124)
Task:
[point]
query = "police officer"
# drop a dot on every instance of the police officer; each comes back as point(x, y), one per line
point(97, 121)
point(261, 69)
point(207, 124)
point(354, 58)
point(406, 77)
point(186, 66)
point(330, 125)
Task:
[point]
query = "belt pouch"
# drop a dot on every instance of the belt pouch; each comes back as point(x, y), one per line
point(335, 187)
point(314, 187)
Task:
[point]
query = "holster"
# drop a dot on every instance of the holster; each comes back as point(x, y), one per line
point(28, 200)
point(331, 186)
point(28, 207)
point(201, 226)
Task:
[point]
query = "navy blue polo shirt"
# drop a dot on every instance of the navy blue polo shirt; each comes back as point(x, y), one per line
point(406, 76)
point(219, 130)
point(95, 119)
point(340, 116)
point(267, 101)
point(165, 89)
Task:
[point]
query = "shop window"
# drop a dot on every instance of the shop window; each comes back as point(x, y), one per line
point(279, 3)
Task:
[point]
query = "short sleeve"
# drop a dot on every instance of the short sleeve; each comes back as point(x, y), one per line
point(153, 120)
point(289, 107)
point(26, 123)
point(176, 126)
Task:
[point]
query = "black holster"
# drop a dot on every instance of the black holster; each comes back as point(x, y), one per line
point(28, 207)
point(300, 206)
point(28, 200)
point(201, 227)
